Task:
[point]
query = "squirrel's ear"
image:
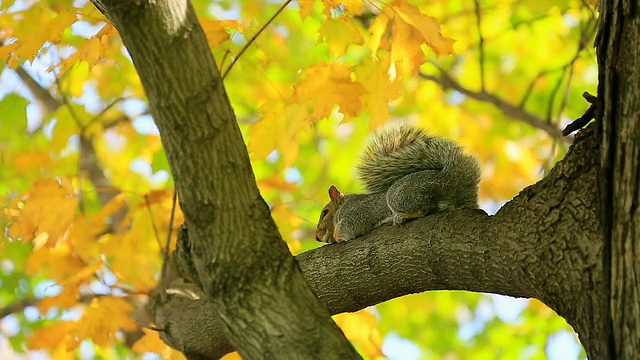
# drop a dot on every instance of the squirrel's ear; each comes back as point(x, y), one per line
point(334, 193)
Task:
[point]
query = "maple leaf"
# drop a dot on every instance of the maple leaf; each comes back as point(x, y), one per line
point(50, 337)
point(362, 328)
point(425, 25)
point(91, 51)
point(59, 260)
point(340, 33)
point(101, 321)
point(134, 246)
point(66, 299)
point(279, 128)
point(217, 30)
point(382, 90)
point(149, 342)
point(328, 85)
point(51, 32)
point(405, 48)
point(47, 213)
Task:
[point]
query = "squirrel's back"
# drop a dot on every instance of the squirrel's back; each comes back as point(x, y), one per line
point(399, 150)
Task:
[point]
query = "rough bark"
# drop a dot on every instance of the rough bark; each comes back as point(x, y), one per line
point(267, 308)
point(618, 46)
point(546, 243)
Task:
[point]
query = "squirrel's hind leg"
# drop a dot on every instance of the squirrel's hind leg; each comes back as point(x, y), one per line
point(415, 195)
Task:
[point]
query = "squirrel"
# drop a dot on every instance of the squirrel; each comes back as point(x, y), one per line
point(406, 174)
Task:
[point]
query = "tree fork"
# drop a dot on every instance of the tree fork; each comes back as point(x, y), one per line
point(256, 286)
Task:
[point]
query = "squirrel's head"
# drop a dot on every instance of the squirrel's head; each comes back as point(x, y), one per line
point(325, 231)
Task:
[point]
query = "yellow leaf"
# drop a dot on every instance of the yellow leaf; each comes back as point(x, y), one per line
point(362, 328)
point(216, 30)
point(83, 275)
point(306, 8)
point(83, 236)
point(66, 299)
point(405, 49)
point(137, 246)
point(353, 7)
point(288, 221)
point(376, 78)
point(275, 183)
point(50, 31)
point(113, 206)
point(279, 128)
point(101, 321)
point(150, 342)
point(61, 353)
point(377, 30)
point(340, 33)
point(48, 338)
point(90, 52)
point(426, 25)
point(58, 260)
point(32, 160)
point(327, 85)
point(232, 356)
point(49, 210)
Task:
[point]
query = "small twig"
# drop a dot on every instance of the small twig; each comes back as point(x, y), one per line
point(165, 252)
point(99, 115)
point(583, 120)
point(253, 38)
point(153, 223)
point(511, 110)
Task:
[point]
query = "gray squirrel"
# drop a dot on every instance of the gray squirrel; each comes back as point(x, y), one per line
point(406, 174)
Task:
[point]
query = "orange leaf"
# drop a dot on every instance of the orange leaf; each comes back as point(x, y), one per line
point(48, 212)
point(376, 78)
point(426, 26)
point(66, 299)
point(306, 8)
point(217, 30)
point(362, 327)
point(328, 85)
point(340, 33)
point(101, 321)
point(150, 342)
point(48, 338)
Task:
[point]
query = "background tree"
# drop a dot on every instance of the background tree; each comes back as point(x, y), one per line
point(88, 193)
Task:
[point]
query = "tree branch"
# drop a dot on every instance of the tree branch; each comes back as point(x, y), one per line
point(447, 82)
point(518, 252)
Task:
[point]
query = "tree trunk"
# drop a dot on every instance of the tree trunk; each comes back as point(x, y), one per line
point(618, 46)
point(241, 263)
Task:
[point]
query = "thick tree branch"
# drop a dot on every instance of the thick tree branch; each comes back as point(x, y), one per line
point(447, 82)
point(518, 252)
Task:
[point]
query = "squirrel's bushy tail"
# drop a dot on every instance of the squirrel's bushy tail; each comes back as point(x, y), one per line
point(400, 150)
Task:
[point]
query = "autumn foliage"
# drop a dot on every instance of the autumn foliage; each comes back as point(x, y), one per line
point(86, 190)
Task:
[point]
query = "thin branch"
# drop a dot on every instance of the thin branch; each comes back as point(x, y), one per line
point(447, 82)
point(253, 38)
point(24, 303)
point(165, 252)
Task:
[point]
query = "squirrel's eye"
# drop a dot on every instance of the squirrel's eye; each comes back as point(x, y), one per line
point(324, 213)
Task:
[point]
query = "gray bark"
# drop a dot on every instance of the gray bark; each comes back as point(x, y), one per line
point(618, 45)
